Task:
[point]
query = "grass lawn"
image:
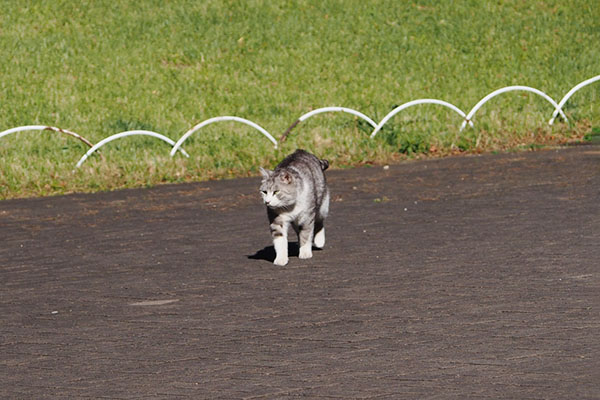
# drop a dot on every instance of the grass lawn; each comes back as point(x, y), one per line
point(102, 67)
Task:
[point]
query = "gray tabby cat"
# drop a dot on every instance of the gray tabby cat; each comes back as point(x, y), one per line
point(296, 194)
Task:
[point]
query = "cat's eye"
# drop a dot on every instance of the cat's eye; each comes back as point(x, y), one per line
point(263, 191)
point(276, 191)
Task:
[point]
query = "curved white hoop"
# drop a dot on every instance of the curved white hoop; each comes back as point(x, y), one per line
point(510, 89)
point(414, 103)
point(44, 128)
point(123, 134)
point(337, 109)
point(222, 118)
point(570, 93)
point(323, 110)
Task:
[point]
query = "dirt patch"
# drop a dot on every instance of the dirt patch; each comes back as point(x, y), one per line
point(467, 277)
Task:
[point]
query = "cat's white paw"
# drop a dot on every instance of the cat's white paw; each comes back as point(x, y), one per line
point(281, 261)
point(320, 239)
point(305, 252)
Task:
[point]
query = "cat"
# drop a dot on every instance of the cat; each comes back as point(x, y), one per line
point(296, 194)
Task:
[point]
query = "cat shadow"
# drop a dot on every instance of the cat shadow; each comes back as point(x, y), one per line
point(268, 253)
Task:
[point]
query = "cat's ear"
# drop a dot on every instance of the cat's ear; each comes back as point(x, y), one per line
point(265, 172)
point(286, 178)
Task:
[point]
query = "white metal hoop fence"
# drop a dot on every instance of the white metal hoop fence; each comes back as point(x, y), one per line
point(467, 118)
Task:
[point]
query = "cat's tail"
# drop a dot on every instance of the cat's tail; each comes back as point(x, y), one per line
point(324, 164)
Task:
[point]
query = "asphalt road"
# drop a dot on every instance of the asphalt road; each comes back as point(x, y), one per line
point(460, 278)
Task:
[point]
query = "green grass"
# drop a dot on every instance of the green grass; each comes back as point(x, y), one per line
point(102, 67)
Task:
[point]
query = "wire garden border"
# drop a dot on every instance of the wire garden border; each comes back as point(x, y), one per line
point(467, 118)
point(125, 134)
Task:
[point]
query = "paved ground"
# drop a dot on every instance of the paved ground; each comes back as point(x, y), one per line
point(461, 278)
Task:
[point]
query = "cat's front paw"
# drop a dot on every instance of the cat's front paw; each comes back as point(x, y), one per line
point(305, 252)
point(281, 261)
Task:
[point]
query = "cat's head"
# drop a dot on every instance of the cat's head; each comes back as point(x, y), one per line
point(278, 189)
